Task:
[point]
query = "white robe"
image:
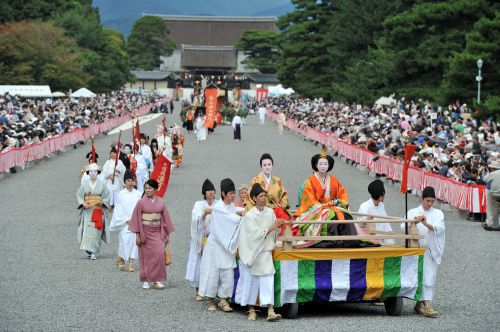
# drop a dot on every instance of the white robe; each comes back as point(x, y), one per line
point(218, 260)
point(434, 242)
point(369, 208)
point(107, 173)
point(165, 145)
point(141, 172)
point(201, 131)
point(124, 207)
point(147, 154)
point(262, 115)
point(199, 229)
point(256, 261)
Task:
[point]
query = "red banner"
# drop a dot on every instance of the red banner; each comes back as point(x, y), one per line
point(262, 93)
point(210, 107)
point(161, 173)
point(409, 151)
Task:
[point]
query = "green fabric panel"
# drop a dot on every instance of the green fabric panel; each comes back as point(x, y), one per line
point(277, 284)
point(392, 277)
point(418, 293)
point(306, 281)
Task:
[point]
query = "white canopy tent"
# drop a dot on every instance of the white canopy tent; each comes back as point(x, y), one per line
point(83, 93)
point(386, 101)
point(58, 94)
point(26, 90)
point(279, 90)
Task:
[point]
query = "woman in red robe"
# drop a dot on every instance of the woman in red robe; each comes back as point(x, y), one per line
point(152, 224)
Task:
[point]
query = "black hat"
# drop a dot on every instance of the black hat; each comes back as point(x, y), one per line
point(227, 185)
point(128, 176)
point(89, 155)
point(266, 156)
point(256, 190)
point(207, 186)
point(376, 189)
point(428, 192)
point(317, 157)
point(113, 149)
point(152, 183)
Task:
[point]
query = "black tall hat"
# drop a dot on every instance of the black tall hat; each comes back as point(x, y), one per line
point(227, 185)
point(428, 192)
point(376, 189)
point(256, 190)
point(89, 155)
point(207, 186)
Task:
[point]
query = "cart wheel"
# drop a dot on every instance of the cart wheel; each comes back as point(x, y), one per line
point(290, 310)
point(394, 306)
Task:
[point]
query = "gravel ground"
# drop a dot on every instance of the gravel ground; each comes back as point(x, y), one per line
point(46, 282)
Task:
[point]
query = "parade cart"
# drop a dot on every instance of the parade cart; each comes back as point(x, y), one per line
point(387, 273)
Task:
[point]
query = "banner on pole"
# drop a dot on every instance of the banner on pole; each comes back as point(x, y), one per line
point(161, 173)
point(210, 107)
point(409, 151)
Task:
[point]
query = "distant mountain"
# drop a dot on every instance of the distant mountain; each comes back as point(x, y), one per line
point(121, 14)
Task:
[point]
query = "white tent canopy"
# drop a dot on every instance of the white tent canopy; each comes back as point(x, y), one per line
point(26, 90)
point(279, 90)
point(83, 93)
point(386, 101)
point(58, 94)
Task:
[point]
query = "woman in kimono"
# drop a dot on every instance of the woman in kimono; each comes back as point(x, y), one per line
point(323, 198)
point(200, 222)
point(152, 226)
point(277, 196)
point(124, 206)
point(92, 198)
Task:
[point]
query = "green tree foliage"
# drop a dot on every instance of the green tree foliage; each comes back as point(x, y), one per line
point(261, 49)
point(26, 10)
point(305, 63)
point(102, 52)
point(147, 41)
point(104, 49)
point(482, 43)
point(422, 40)
point(39, 53)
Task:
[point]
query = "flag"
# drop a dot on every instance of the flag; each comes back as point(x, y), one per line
point(164, 122)
point(136, 135)
point(409, 150)
point(94, 160)
point(161, 173)
point(117, 156)
point(210, 107)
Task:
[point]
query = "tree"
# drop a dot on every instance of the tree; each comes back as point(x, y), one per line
point(460, 84)
point(39, 53)
point(304, 62)
point(261, 49)
point(25, 10)
point(147, 41)
point(421, 41)
point(104, 49)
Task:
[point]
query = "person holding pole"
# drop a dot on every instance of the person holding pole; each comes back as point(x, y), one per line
point(430, 225)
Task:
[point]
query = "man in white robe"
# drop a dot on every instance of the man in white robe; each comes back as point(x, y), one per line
point(201, 131)
point(262, 114)
point(257, 239)
point(141, 173)
point(114, 185)
point(375, 206)
point(124, 207)
point(165, 145)
point(200, 223)
point(218, 260)
point(430, 224)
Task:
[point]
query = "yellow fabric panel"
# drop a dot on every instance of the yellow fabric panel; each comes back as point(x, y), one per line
point(356, 253)
point(374, 278)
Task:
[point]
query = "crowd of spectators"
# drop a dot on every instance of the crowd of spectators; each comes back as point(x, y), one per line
point(450, 141)
point(24, 121)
